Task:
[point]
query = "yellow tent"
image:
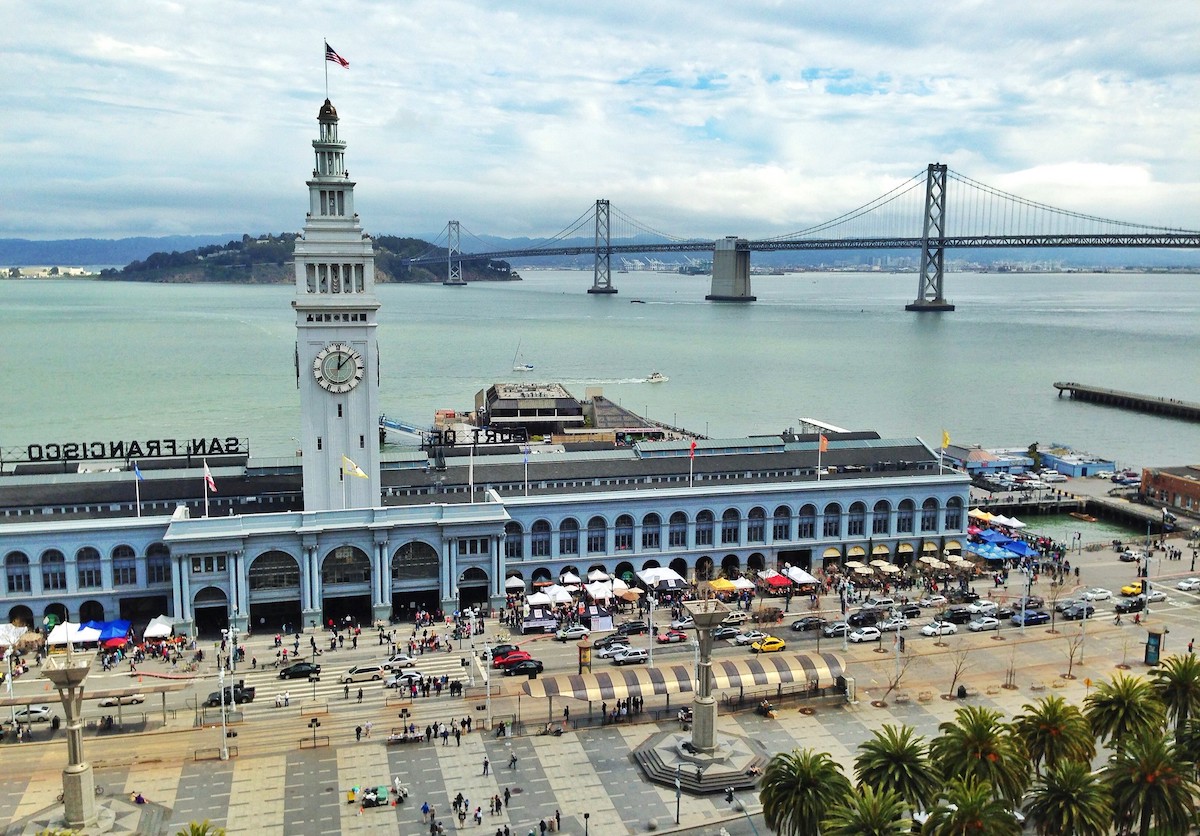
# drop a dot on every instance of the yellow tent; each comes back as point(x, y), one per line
point(978, 514)
point(722, 585)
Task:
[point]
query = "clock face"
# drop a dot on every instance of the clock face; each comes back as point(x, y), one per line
point(338, 368)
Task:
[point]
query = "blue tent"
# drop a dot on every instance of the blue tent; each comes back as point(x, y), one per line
point(993, 536)
point(118, 629)
point(1021, 548)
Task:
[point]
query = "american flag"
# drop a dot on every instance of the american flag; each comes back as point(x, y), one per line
point(330, 55)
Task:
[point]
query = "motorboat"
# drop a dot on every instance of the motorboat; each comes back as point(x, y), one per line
point(657, 377)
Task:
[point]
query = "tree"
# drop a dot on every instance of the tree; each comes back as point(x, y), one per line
point(1150, 785)
point(1075, 650)
point(978, 746)
point(960, 665)
point(1069, 798)
point(1123, 708)
point(1176, 682)
point(895, 759)
point(1053, 731)
point(202, 828)
point(798, 789)
point(868, 812)
point(971, 810)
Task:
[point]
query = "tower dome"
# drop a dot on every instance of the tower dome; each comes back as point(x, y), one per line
point(328, 112)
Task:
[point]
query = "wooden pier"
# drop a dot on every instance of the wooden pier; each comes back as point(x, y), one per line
point(1131, 400)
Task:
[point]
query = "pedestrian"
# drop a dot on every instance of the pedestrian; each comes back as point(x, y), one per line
point(358, 730)
point(457, 736)
point(367, 729)
point(512, 760)
point(1191, 645)
point(507, 795)
point(542, 827)
point(478, 816)
point(287, 697)
point(425, 812)
point(360, 694)
point(346, 691)
point(486, 766)
point(557, 820)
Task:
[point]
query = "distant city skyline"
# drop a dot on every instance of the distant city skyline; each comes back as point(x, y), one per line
point(701, 119)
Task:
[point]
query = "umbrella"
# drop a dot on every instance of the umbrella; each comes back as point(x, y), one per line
point(891, 569)
point(978, 514)
point(514, 583)
point(862, 570)
point(1000, 519)
point(798, 575)
point(854, 564)
point(600, 590)
point(879, 563)
point(1020, 548)
point(111, 643)
point(631, 594)
point(619, 585)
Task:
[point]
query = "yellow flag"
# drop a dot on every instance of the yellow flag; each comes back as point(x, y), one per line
point(945, 439)
point(349, 468)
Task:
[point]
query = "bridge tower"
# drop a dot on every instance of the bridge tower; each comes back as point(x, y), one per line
point(731, 271)
point(602, 275)
point(930, 296)
point(453, 257)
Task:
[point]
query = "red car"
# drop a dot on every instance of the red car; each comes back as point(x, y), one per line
point(511, 658)
point(671, 636)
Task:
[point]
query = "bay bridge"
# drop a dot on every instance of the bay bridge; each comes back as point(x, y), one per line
point(914, 215)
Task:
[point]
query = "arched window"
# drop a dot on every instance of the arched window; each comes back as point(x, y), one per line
point(597, 536)
point(54, 570)
point(833, 520)
point(344, 565)
point(807, 523)
point(514, 541)
point(568, 536)
point(16, 569)
point(87, 567)
point(124, 566)
point(415, 561)
point(539, 539)
point(651, 531)
point(929, 515)
point(856, 520)
point(782, 527)
point(623, 533)
point(158, 563)
point(704, 528)
point(756, 526)
point(273, 570)
point(904, 516)
point(954, 515)
point(677, 530)
point(730, 523)
point(880, 517)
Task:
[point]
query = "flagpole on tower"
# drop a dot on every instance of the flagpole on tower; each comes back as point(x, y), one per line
point(326, 63)
point(137, 487)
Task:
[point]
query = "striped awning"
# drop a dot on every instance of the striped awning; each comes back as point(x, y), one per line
point(740, 672)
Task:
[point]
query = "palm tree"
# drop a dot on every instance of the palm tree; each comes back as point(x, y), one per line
point(896, 759)
point(203, 828)
point(977, 745)
point(971, 810)
point(1053, 731)
point(868, 812)
point(798, 788)
point(1177, 683)
point(1123, 708)
point(1070, 798)
point(1151, 785)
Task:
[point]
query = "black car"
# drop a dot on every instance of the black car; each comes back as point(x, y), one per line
point(726, 632)
point(609, 641)
point(907, 610)
point(1079, 612)
point(1135, 604)
point(961, 596)
point(524, 668)
point(1033, 602)
point(300, 670)
point(499, 650)
point(865, 617)
point(957, 615)
point(1004, 611)
point(808, 622)
point(633, 628)
point(1066, 604)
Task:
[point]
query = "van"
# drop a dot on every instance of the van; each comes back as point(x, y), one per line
point(362, 673)
point(880, 602)
point(1053, 476)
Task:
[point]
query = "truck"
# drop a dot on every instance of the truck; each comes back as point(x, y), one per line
point(235, 695)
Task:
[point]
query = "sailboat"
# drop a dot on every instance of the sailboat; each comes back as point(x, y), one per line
point(519, 366)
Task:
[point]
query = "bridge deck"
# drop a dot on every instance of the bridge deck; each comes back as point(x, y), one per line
point(1131, 400)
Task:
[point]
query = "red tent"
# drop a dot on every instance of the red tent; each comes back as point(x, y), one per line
point(778, 581)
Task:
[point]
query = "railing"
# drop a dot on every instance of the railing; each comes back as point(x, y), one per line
point(213, 753)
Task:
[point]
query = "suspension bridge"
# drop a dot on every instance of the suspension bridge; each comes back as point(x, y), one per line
point(914, 215)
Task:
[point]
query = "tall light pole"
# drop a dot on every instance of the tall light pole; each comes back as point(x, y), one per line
point(224, 738)
point(737, 804)
point(652, 600)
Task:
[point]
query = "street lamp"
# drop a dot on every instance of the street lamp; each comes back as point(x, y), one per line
point(586, 816)
point(737, 804)
point(224, 738)
point(314, 724)
point(314, 679)
point(652, 600)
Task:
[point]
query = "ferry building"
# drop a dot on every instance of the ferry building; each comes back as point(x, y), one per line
point(341, 531)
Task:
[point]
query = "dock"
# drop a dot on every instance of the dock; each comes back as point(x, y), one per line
point(1171, 407)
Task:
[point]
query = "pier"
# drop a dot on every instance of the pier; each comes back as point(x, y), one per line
point(1131, 400)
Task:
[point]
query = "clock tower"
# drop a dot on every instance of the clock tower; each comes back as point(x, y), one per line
point(337, 358)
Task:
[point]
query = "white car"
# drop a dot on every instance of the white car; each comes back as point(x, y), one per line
point(982, 607)
point(932, 601)
point(735, 617)
point(611, 651)
point(749, 637)
point(1155, 595)
point(939, 628)
point(865, 634)
point(33, 714)
point(1102, 474)
point(683, 623)
point(403, 680)
point(1097, 593)
point(400, 660)
point(897, 622)
point(124, 699)
point(984, 622)
point(1189, 585)
point(568, 633)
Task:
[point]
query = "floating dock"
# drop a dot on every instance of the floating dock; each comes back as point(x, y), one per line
point(1131, 400)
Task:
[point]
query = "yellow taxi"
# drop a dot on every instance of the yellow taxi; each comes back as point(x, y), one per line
point(767, 645)
point(1134, 588)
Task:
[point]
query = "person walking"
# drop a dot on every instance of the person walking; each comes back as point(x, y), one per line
point(512, 760)
point(507, 795)
point(358, 730)
point(486, 765)
point(360, 695)
point(367, 729)
point(346, 691)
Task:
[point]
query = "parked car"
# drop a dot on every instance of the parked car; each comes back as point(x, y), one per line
point(768, 645)
point(403, 680)
point(939, 628)
point(611, 650)
point(300, 670)
point(1079, 612)
point(400, 660)
point(633, 656)
point(124, 699)
point(1031, 617)
point(566, 634)
point(837, 628)
point(1189, 584)
point(984, 622)
point(749, 637)
point(893, 624)
point(962, 596)
point(866, 634)
point(735, 617)
point(524, 668)
point(880, 602)
point(808, 622)
point(726, 632)
point(1135, 604)
point(671, 637)
point(1097, 593)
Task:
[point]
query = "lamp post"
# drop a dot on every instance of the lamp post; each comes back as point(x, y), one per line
point(224, 739)
point(652, 601)
point(9, 657)
point(314, 724)
point(586, 816)
point(79, 787)
point(737, 804)
point(314, 679)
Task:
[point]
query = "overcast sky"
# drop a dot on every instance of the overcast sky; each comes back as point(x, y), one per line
point(700, 118)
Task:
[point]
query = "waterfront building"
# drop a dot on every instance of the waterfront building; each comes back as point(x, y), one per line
point(203, 533)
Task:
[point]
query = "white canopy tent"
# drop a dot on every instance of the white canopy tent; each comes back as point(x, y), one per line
point(558, 594)
point(743, 583)
point(160, 627)
point(600, 590)
point(10, 634)
point(539, 599)
point(597, 575)
point(569, 578)
point(73, 633)
point(514, 583)
point(798, 575)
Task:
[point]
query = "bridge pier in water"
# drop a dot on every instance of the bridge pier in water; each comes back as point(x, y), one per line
point(454, 256)
point(602, 272)
point(931, 283)
point(731, 271)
